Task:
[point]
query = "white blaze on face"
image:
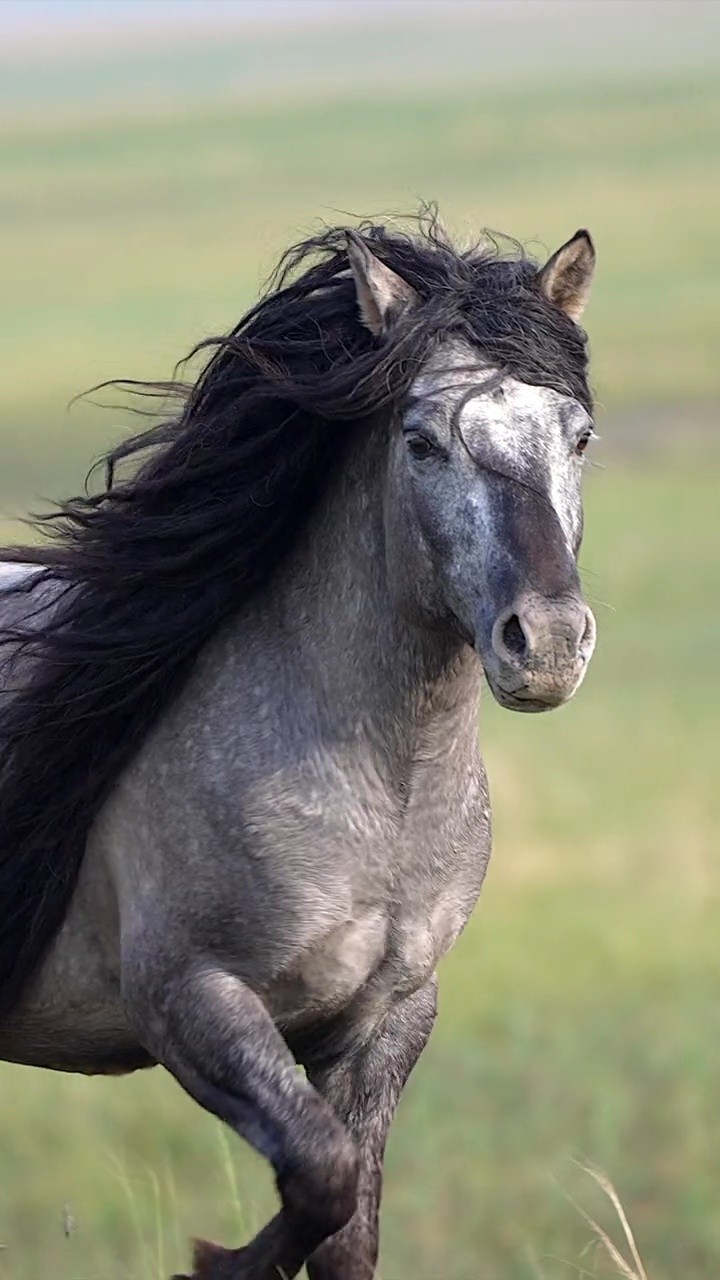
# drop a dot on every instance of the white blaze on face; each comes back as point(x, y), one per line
point(528, 432)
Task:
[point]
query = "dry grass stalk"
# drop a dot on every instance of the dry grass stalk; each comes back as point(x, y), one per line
point(631, 1270)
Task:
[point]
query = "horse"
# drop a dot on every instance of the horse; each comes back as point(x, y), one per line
point(243, 809)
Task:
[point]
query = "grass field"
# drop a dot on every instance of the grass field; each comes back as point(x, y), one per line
point(580, 1016)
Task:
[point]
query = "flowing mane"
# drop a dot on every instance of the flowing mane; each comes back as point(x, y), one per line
point(195, 515)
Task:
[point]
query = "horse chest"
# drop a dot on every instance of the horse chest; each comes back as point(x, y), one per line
point(399, 897)
point(441, 870)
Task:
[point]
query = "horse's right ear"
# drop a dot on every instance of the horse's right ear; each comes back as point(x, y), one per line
point(382, 294)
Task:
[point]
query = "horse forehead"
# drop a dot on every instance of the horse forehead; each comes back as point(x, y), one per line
point(518, 417)
point(456, 366)
point(510, 415)
point(451, 369)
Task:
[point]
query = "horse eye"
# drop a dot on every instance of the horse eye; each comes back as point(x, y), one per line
point(583, 442)
point(419, 446)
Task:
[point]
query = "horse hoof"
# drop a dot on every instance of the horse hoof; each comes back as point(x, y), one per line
point(210, 1262)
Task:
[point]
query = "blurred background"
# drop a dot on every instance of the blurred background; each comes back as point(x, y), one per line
point(155, 159)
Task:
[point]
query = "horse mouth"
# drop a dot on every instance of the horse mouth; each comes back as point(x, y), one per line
point(527, 700)
point(520, 702)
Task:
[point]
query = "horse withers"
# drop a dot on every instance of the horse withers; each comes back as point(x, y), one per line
point(243, 810)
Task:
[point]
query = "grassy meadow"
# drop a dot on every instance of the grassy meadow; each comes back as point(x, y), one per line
point(580, 1012)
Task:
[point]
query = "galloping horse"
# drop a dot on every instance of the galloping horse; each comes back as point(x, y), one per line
point(243, 811)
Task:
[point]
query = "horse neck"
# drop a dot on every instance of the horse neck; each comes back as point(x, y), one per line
point(372, 667)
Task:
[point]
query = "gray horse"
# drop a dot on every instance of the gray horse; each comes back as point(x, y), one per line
point(243, 811)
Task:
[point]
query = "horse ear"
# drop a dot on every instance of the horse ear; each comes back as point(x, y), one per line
point(382, 294)
point(567, 276)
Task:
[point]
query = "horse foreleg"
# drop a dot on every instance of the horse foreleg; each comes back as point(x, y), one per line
point(364, 1088)
point(218, 1040)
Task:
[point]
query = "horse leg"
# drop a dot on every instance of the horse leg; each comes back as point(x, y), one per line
point(216, 1037)
point(363, 1088)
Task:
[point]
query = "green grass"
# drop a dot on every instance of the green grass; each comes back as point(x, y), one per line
point(579, 1012)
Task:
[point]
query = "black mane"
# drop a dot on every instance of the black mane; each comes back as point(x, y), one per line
point(146, 570)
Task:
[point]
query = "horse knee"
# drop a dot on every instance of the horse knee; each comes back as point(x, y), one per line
point(322, 1191)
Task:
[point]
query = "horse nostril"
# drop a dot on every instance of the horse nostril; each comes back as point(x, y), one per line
point(513, 637)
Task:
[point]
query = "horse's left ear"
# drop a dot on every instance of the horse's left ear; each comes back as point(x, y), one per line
point(382, 294)
point(567, 276)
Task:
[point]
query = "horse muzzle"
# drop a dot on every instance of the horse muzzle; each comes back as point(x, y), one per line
point(539, 651)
